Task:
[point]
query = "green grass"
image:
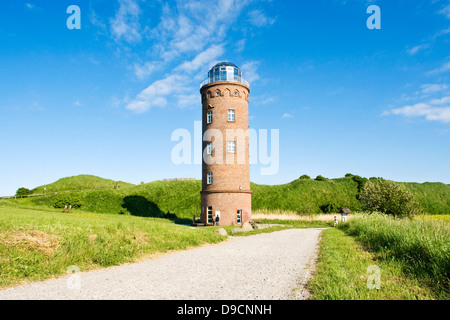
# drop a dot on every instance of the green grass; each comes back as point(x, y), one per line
point(182, 198)
point(342, 273)
point(37, 245)
point(434, 197)
point(305, 196)
point(413, 257)
point(80, 183)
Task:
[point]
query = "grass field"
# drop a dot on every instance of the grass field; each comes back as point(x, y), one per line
point(36, 245)
point(412, 255)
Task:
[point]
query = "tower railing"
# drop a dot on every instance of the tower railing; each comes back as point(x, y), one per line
point(212, 80)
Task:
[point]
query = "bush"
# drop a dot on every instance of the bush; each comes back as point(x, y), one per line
point(329, 208)
point(23, 192)
point(67, 199)
point(305, 177)
point(390, 198)
point(360, 181)
point(320, 178)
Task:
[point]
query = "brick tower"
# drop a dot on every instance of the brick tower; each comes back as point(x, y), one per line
point(225, 167)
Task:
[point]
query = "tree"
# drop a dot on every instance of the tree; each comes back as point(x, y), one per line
point(23, 192)
point(305, 177)
point(390, 198)
point(360, 181)
point(320, 178)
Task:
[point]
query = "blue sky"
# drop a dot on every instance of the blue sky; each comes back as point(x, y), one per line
point(105, 99)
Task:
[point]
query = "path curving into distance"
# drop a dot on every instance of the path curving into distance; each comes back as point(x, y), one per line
point(266, 266)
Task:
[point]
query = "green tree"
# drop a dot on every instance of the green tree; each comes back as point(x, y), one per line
point(321, 178)
point(388, 197)
point(23, 192)
point(305, 177)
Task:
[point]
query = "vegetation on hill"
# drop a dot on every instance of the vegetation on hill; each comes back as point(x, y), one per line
point(182, 198)
point(390, 198)
point(80, 183)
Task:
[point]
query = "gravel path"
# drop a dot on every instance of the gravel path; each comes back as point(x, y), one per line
point(266, 266)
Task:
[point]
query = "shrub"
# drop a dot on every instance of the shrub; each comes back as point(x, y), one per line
point(329, 208)
point(360, 181)
point(67, 199)
point(349, 175)
point(390, 198)
point(320, 178)
point(23, 192)
point(305, 177)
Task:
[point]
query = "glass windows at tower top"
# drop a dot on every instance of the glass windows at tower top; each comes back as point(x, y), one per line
point(224, 73)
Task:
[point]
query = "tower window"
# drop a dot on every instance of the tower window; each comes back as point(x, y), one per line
point(239, 216)
point(235, 93)
point(231, 146)
point(209, 149)
point(217, 93)
point(209, 117)
point(230, 115)
point(210, 178)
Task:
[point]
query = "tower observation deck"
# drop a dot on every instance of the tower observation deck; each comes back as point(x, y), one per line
point(224, 71)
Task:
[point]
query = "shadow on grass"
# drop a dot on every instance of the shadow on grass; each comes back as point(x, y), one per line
point(142, 207)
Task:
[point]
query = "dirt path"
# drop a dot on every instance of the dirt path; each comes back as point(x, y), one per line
point(266, 266)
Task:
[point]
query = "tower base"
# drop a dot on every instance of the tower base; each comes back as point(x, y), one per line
point(233, 207)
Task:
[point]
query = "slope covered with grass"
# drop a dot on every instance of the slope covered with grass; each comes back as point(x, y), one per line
point(306, 196)
point(182, 198)
point(80, 183)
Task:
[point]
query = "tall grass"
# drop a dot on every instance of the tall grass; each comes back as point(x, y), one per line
point(423, 247)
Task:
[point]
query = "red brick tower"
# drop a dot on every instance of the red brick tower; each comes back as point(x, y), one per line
point(226, 168)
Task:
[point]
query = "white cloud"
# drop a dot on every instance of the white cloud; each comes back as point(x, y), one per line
point(287, 115)
point(189, 101)
point(154, 95)
point(125, 25)
point(416, 49)
point(143, 71)
point(428, 110)
point(432, 88)
point(446, 11)
point(194, 25)
point(259, 19)
point(240, 45)
point(250, 71)
point(444, 100)
point(190, 36)
point(31, 6)
point(444, 68)
point(202, 59)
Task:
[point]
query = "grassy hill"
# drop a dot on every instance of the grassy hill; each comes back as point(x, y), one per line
point(182, 198)
point(80, 183)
